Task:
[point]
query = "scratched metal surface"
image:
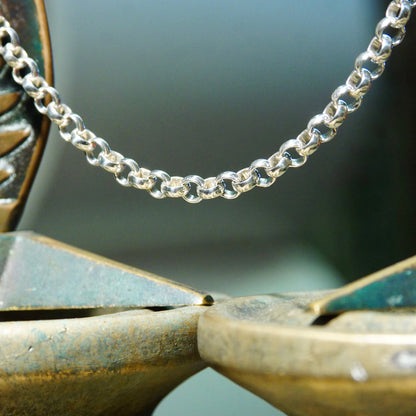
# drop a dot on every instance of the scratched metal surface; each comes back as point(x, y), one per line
point(120, 364)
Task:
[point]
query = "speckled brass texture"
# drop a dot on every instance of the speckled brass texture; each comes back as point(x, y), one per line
point(118, 364)
point(75, 338)
point(23, 131)
point(359, 363)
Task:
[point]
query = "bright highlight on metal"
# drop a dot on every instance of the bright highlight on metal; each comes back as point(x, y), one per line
point(293, 153)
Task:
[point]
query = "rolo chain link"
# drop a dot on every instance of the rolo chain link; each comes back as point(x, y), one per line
point(293, 153)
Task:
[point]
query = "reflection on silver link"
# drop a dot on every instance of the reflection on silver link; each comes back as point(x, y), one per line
point(279, 164)
point(33, 85)
point(318, 125)
point(290, 149)
point(322, 128)
point(399, 12)
point(128, 167)
point(210, 188)
point(46, 94)
point(70, 123)
point(20, 72)
point(228, 180)
point(387, 25)
point(364, 62)
point(359, 82)
point(259, 166)
point(380, 48)
point(13, 55)
point(311, 142)
point(111, 161)
point(247, 180)
point(82, 140)
point(345, 94)
point(192, 194)
point(175, 188)
point(336, 113)
point(99, 148)
point(142, 179)
point(58, 113)
point(160, 177)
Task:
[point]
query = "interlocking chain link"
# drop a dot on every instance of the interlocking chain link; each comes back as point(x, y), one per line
point(293, 153)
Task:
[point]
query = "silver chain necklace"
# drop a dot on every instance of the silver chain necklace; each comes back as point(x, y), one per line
point(293, 153)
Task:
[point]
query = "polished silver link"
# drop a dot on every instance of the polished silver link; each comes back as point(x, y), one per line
point(111, 161)
point(336, 113)
point(142, 179)
point(310, 140)
point(210, 188)
point(345, 94)
point(32, 86)
point(247, 180)
point(291, 149)
point(380, 48)
point(359, 82)
point(176, 187)
point(387, 26)
point(8, 36)
point(47, 96)
point(191, 182)
point(28, 65)
point(160, 177)
point(279, 164)
point(14, 54)
point(364, 61)
point(70, 123)
point(318, 125)
point(59, 113)
point(400, 12)
point(368, 66)
point(229, 180)
point(83, 140)
point(128, 168)
point(99, 148)
point(259, 166)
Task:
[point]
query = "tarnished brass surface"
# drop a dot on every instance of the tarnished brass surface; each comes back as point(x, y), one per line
point(120, 364)
point(57, 359)
point(392, 287)
point(23, 131)
point(302, 396)
point(360, 363)
point(37, 272)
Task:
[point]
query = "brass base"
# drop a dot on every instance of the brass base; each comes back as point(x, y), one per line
point(301, 396)
point(118, 364)
point(360, 363)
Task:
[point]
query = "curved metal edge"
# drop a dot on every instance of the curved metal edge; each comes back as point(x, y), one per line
point(11, 212)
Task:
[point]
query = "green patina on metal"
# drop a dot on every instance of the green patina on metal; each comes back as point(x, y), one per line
point(393, 291)
point(40, 273)
point(24, 15)
point(23, 131)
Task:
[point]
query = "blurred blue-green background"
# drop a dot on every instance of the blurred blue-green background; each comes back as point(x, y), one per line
point(203, 87)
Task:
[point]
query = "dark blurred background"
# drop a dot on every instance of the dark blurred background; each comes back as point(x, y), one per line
point(203, 87)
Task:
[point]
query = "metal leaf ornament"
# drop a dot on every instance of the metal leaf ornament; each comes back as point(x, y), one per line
point(23, 130)
point(10, 139)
